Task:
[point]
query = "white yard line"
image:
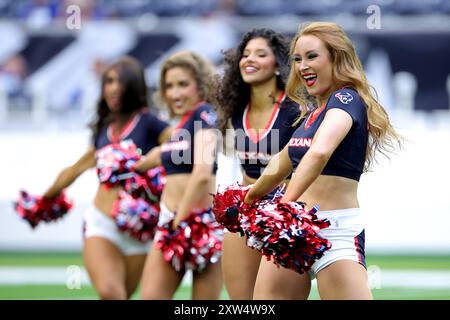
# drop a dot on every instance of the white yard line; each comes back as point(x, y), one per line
point(43, 275)
point(76, 275)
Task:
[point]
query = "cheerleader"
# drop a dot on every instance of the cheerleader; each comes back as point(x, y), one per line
point(114, 260)
point(328, 153)
point(190, 164)
point(253, 107)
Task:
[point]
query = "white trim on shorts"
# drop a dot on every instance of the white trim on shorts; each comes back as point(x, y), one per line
point(98, 224)
point(165, 215)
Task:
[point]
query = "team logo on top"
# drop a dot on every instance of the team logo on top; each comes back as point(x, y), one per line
point(344, 97)
point(209, 117)
point(251, 155)
point(300, 142)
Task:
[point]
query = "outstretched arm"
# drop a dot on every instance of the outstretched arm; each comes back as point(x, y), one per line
point(150, 160)
point(335, 126)
point(277, 170)
point(68, 175)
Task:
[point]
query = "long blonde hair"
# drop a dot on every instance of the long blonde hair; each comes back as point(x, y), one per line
point(347, 71)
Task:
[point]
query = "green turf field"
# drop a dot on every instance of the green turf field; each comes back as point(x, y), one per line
point(48, 259)
point(56, 291)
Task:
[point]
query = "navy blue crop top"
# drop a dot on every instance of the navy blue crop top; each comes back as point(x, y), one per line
point(349, 157)
point(255, 151)
point(177, 155)
point(143, 129)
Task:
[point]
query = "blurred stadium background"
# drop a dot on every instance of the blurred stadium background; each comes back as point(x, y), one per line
point(50, 60)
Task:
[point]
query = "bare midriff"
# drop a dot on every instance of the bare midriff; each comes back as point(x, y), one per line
point(104, 199)
point(331, 193)
point(175, 188)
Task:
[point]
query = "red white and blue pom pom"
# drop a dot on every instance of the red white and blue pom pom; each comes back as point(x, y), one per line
point(227, 204)
point(115, 163)
point(156, 180)
point(285, 233)
point(115, 167)
point(35, 209)
point(196, 243)
point(206, 237)
point(135, 217)
point(148, 185)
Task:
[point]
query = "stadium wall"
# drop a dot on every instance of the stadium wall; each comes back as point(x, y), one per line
point(405, 200)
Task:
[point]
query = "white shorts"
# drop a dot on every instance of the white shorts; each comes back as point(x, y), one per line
point(98, 224)
point(346, 234)
point(165, 215)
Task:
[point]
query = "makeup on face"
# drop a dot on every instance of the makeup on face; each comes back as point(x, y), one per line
point(313, 65)
point(258, 62)
point(181, 90)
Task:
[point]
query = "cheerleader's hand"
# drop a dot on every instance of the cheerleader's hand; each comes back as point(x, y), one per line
point(138, 166)
point(249, 199)
point(179, 217)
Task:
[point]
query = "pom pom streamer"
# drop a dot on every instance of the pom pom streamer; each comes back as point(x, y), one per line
point(115, 163)
point(227, 206)
point(35, 209)
point(156, 179)
point(115, 167)
point(284, 233)
point(196, 243)
point(136, 210)
point(148, 186)
point(287, 234)
point(136, 217)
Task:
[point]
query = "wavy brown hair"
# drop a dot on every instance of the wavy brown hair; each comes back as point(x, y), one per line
point(134, 93)
point(201, 69)
point(347, 71)
point(233, 93)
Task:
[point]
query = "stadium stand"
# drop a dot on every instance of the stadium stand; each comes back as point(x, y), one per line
point(411, 32)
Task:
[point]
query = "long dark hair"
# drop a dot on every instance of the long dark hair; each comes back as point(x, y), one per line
point(233, 93)
point(134, 93)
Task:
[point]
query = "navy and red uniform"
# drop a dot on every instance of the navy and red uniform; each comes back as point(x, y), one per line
point(347, 231)
point(177, 155)
point(255, 151)
point(143, 129)
point(349, 157)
